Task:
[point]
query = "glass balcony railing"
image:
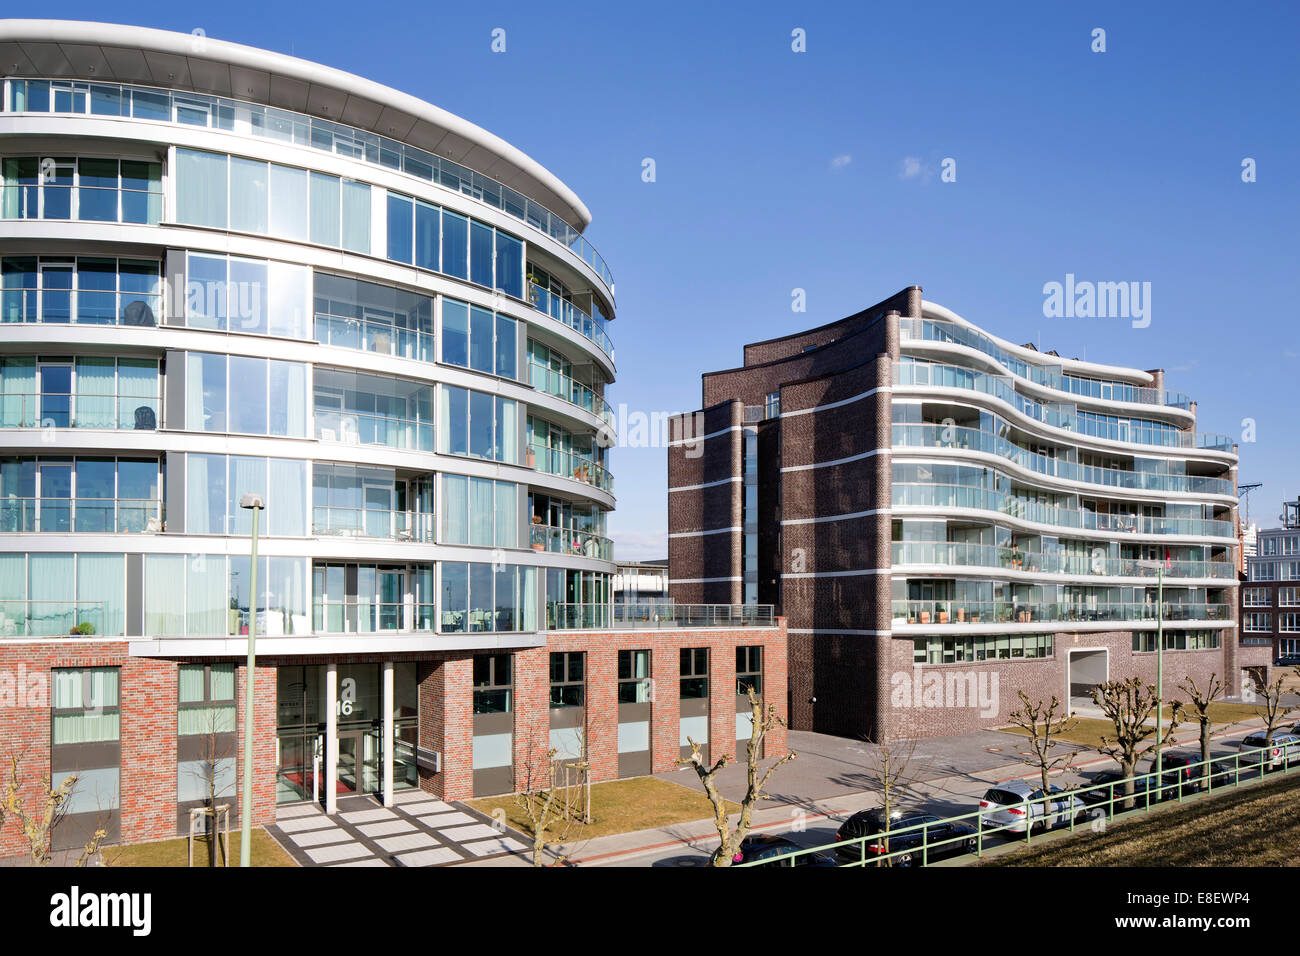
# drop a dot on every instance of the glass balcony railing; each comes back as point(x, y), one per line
point(82, 410)
point(1051, 376)
point(1061, 415)
point(370, 617)
point(299, 129)
point(984, 499)
point(563, 310)
point(957, 611)
point(553, 461)
point(356, 428)
point(82, 515)
point(556, 383)
point(962, 554)
point(59, 618)
point(371, 523)
point(382, 338)
point(693, 615)
point(571, 541)
point(973, 439)
point(562, 617)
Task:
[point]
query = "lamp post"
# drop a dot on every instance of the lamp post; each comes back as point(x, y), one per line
point(1160, 675)
point(255, 504)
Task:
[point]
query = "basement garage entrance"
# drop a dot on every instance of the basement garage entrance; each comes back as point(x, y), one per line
point(1086, 668)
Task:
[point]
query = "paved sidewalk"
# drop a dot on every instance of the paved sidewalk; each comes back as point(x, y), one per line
point(418, 830)
point(953, 773)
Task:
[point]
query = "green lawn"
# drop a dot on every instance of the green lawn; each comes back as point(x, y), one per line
point(1251, 826)
point(265, 852)
point(619, 806)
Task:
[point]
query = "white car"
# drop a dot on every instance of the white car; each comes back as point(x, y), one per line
point(1285, 749)
point(1009, 806)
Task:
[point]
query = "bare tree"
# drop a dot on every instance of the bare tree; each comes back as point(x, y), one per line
point(763, 718)
point(1129, 704)
point(215, 772)
point(889, 771)
point(1043, 723)
point(552, 798)
point(1201, 699)
point(1273, 709)
point(38, 828)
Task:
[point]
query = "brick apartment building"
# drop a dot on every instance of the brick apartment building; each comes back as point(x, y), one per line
point(1270, 597)
point(925, 502)
point(229, 273)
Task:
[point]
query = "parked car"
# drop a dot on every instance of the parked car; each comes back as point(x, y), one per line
point(1181, 769)
point(1100, 790)
point(1008, 806)
point(1284, 751)
point(934, 838)
point(770, 849)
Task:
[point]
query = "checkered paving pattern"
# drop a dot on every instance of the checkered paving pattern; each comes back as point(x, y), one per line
point(417, 830)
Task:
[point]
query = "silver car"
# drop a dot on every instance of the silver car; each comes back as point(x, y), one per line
point(1008, 806)
point(1285, 749)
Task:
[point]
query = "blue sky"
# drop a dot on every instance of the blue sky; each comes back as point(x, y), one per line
point(1115, 166)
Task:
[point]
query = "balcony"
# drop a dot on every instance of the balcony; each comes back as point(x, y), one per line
point(957, 611)
point(972, 439)
point(80, 410)
point(381, 338)
point(1062, 415)
point(962, 496)
point(358, 428)
point(81, 515)
point(553, 461)
point(263, 122)
point(653, 616)
point(371, 617)
point(371, 523)
point(563, 386)
point(961, 554)
point(571, 541)
point(58, 618)
point(1051, 376)
point(545, 301)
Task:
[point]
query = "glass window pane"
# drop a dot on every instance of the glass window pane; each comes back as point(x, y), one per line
point(289, 202)
point(325, 197)
point(248, 195)
point(201, 188)
point(356, 217)
point(481, 253)
point(248, 383)
point(455, 245)
point(481, 345)
point(400, 228)
point(455, 332)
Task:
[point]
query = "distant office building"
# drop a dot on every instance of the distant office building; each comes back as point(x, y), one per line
point(1270, 596)
point(926, 502)
point(641, 582)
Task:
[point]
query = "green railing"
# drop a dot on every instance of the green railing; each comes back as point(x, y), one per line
point(1195, 780)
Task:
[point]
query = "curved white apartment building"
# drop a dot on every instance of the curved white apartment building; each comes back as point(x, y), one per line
point(937, 510)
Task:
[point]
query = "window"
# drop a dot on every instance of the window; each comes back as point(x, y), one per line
point(476, 338)
point(359, 409)
point(210, 510)
point(695, 673)
point(354, 314)
point(480, 511)
point(95, 291)
point(241, 395)
point(206, 699)
point(482, 597)
point(567, 678)
point(749, 669)
point(1288, 622)
point(103, 190)
point(1286, 597)
point(85, 705)
point(479, 425)
point(635, 685)
point(772, 405)
point(492, 683)
point(1259, 597)
point(1257, 621)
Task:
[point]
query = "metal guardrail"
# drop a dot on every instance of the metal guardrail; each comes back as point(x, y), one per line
point(693, 615)
point(1248, 766)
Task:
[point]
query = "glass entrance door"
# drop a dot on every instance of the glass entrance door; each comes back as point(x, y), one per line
point(358, 762)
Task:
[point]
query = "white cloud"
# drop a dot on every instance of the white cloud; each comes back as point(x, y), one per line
point(640, 546)
point(909, 168)
point(840, 161)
